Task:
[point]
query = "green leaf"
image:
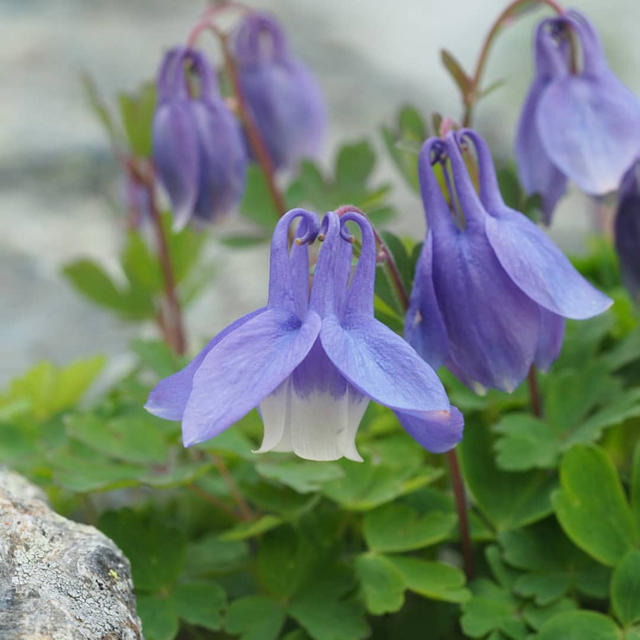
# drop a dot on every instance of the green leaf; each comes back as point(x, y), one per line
point(404, 141)
point(302, 476)
point(45, 390)
point(210, 555)
point(324, 611)
point(136, 110)
point(284, 562)
point(132, 437)
point(492, 608)
point(553, 565)
point(397, 527)
point(354, 165)
point(200, 603)
point(83, 471)
point(245, 530)
point(257, 205)
point(255, 618)
point(434, 580)
point(90, 280)
point(156, 355)
point(98, 106)
point(140, 266)
point(381, 583)
point(460, 77)
point(591, 505)
point(625, 588)
point(368, 485)
point(579, 625)
point(526, 442)
point(156, 550)
point(508, 500)
point(159, 619)
point(537, 616)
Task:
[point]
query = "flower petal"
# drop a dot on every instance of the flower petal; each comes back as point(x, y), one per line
point(175, 156)
point(243, 369)
point(584, 123)
point(540, 269)
point(551, 337)
point(169, 397)
point(222, 159)
point(492, 326)
point(438, 431)
point(536, 171)
point(424, 328)
point(382, 365)
point(627, 237)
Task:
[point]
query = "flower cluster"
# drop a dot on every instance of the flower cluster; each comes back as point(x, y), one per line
point(311, 359)
point(199, 151)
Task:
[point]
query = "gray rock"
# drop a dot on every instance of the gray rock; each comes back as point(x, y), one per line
point(59, 580)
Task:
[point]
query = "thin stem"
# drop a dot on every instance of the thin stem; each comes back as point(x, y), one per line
point(461, 506)
point(471, 95)
point(386, 257)
point(253, 134)
point(170, 319)
point(534, 392)
point(234, 490)
point(209, 15)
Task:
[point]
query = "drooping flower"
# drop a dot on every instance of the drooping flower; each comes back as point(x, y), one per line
point(580, 125)
point(198, 151)
point(627, 229)
point(310, 360)
point(491, 290)
point(283, 96)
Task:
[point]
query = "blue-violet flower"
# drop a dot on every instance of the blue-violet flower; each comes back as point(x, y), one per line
point(627, 229)
point(198, 150)
point(491, 290)
point(581, 125)
point(283, 96)
point(310, 360)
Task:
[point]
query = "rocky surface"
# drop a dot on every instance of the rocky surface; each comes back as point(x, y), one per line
point(59, 580)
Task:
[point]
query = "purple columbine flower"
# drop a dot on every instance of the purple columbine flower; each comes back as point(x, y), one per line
point(491, 290)
point(283, 96)
point(310, 361)
point(198, 150)
point(627, 229)
point(580, 125)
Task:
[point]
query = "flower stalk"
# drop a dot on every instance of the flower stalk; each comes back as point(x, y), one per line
point(472, 94)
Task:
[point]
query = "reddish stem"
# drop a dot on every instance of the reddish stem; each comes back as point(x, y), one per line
point(170, 317)
point(534, 392)
point(471, 95)
point(209, 15)
point(461, 506)
point(234, 490)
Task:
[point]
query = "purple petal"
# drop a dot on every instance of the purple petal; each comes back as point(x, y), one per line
point(175, 156)
point(289, 271)
point(424, 328)
point(535, 169)
point(222, 159)
point(243, 369)
point(586, 125)
point(540, 269)
point(551, 337)
point(169, 397)
point(627, 238)
point(492, 326)
point(382, 365)
point(437, 432)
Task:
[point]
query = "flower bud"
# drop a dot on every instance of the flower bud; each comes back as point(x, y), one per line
point(198, 151)
point(282, 95)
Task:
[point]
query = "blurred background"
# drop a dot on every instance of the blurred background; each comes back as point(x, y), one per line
point(59, 181)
